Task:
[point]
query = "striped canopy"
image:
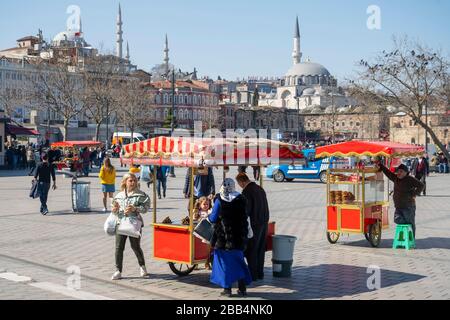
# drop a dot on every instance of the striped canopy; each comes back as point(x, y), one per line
point(370, 148)
point(192, 152)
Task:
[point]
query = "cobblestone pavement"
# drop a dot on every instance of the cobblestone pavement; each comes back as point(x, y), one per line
point(36, 251)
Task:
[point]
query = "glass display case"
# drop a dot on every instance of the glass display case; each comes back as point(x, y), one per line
point(357, 202)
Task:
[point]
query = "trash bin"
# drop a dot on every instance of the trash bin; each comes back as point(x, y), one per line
point(283, 255)
point(81, 196)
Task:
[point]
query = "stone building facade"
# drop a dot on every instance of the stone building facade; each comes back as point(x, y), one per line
point(404, 130)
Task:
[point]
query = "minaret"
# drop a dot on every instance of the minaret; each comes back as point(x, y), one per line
point(119, 42)
point(166, 56)
point(80, 27)
point(296, 54)
point(128, 52)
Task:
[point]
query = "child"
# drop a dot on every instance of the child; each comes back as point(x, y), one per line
point(202, 209)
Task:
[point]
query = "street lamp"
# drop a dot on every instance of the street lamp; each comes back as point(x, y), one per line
point(297, 97)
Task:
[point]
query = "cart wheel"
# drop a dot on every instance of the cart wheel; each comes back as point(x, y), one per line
point(333, 237)
point(278, 176)
point(181, 270)
point(366, 235)
point(375, 234)
point(323, 177)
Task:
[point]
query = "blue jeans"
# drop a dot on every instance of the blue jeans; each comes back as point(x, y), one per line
point(164, 185)
point(406, 216)
point(43, 189)
point(86, 170)
point(443, 168)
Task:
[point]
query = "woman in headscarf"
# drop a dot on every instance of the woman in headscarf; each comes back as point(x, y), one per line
point(230, 239)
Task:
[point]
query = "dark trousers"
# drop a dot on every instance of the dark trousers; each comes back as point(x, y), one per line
point(406, 216)
point(422, 178)
point(31, 166)
point(120, 247)
point(164, 186)
point(43, 189)
point(256, 252)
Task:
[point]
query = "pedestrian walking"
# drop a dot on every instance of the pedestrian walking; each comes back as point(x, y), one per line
point(161, 176)
point(31, 162)
point(229, 240)
point(258, 211)
point(130, 202)
point(107, 177)
point(86, 160)
point(45, 172)
point(406, 188)
point(421, 170)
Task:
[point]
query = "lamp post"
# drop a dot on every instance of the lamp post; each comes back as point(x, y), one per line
point(107, 127)
point(172, 124)
point(298, 116)
point(426, 122)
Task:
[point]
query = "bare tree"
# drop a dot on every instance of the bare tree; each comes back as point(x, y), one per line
point(100, 96)
point(411, 77)
point(9, 99)
point(134, 105)
point(59, 90)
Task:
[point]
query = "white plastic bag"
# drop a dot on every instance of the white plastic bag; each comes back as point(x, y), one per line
point(250, 230)
point(110, 225)
point(130, 226)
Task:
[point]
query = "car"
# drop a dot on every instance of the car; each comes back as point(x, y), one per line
point(310, 168)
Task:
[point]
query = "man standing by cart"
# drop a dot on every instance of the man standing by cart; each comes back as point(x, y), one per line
point(406, 188)
point(258, 210)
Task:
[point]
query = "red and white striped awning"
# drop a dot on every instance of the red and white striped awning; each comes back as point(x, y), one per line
point(192, 152)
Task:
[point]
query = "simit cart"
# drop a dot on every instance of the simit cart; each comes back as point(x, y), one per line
point(176, 243)
point(358, 195)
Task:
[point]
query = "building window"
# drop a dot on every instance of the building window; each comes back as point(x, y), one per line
point(413, 140)
point(343, 123)
point(357, 124)
point(351, 123)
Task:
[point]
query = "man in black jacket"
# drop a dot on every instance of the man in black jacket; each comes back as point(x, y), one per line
point(406, 188)
point(258, 211)
point(44, 173)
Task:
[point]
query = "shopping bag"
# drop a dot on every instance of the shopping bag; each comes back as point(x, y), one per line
point(250, 230)
point(204, 230)
point(110, 225)
point(130, 226)
point(34, 192)
point(145, 174)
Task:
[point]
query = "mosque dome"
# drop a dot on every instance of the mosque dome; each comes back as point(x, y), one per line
point(307, 69)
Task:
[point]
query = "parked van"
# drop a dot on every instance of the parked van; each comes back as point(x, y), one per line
point(124, 138)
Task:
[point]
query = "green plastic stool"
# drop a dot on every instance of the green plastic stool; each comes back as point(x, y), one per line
point(404, 237)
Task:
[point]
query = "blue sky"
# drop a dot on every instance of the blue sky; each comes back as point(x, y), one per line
point(237, 38)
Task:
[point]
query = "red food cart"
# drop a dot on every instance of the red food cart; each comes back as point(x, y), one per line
point(358, 197)
point(74, 146)
point(176, 243)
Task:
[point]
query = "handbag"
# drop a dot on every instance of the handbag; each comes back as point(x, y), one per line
point(250, 230)
point(110, 225)
point(34, 192)
point(130, 226)
point(204, 230)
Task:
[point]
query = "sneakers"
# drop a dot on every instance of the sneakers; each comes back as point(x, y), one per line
point(105, 210)
point(144, 272)
point(44, 211)
point(117, 275)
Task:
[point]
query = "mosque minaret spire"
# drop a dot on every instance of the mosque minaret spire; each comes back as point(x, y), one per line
point(119, 42)
point(297, 54)
point(166, 55)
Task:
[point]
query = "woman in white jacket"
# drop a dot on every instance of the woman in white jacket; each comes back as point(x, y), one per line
point(130, 202)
